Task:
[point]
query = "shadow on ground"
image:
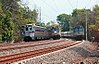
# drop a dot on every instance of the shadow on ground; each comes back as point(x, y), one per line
point(84, 52)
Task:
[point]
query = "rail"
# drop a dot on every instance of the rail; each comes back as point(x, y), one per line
point(21, 56)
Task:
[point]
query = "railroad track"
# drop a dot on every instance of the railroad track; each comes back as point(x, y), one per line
point(31, 45)
point(20, 43)
point(25, 55)
point(98, 46)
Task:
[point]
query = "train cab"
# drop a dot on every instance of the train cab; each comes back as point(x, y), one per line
point(29, 31)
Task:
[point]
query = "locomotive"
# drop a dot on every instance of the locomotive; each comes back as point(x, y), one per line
point(31, 32)
point(77, 33)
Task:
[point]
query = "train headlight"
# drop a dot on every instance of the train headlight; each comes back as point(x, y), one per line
point(98, 29)
point(55, 32)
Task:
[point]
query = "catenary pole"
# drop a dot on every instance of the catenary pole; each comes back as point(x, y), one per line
point(86, 25)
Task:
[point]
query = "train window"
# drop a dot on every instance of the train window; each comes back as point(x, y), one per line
point(29, 25)
point(81, 30)
point(30, 28)
point(26, 28)
point(22, 29)
point(76, 30)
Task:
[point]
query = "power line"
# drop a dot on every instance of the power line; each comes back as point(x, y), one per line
point(70, 4)
point(97, 2)
point(55, 10)
point(44, 14)
point(47, 16)
point(77, 4)
point(55, 4)
point(88, 3)
point(66, 3)
point(50, 6)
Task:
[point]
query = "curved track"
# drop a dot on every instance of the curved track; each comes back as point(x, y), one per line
point(21, 56)
point(30, 45)
point(20, 43)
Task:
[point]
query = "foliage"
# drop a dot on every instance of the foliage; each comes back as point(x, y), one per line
point(12, 13)
point(51, 25)
point(80, 16)
point(7, 27)
point(0, 17)
point(64, 21)
point(96, 19)
point(96, 12)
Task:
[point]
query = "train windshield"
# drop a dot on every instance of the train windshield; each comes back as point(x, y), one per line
point(26, 28)
point(29, 28)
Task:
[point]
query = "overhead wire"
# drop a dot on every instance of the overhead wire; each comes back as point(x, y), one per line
point(54, 9)
point(66, 3)
point(45, 15)
point(50, 6)
point(55, 5)
point(40, 13)
point(97, 1)
point(77, 4)
point(70, 3)
point(88, 4)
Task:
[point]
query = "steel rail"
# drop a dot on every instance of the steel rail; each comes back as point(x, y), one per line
point(32, 45)
point(25, 55)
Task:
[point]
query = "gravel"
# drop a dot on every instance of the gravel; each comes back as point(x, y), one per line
point(30, 48)
point(75, 55)
point(22, 44)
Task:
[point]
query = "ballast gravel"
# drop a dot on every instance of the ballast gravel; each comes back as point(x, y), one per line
point(79, 54)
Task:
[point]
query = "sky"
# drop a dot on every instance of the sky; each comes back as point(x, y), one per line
point(50, 9)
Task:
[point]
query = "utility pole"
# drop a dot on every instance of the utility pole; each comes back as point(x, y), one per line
point(40, 14)
point(86, 25)
point(59, 28)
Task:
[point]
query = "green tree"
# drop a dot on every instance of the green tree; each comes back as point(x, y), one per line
point(13, 7)
point(7, 27)
point(96, 12)
point(29, 15)
point(1, 13)
point(19, 14)
point(51, 25)
point(64, 21)
point(1, 16)
point(79, 16)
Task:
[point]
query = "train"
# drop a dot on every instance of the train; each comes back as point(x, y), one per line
point(31, 32)
point(67, 34)
point(95, 34)
point(77, 33)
